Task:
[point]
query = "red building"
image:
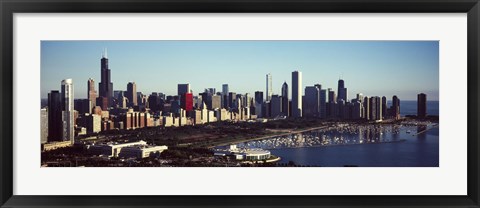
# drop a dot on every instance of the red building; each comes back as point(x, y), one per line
point(186, 101)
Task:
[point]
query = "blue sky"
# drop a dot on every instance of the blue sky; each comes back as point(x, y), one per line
point(374, 68)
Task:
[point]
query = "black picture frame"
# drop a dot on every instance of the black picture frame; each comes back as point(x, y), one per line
point(10, 7)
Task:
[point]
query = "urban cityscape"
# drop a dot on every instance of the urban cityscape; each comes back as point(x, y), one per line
point(200, 126)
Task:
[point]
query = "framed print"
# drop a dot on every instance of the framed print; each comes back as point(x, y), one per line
point(247, 104)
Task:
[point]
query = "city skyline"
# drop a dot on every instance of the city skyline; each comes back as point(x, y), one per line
point(58, 54)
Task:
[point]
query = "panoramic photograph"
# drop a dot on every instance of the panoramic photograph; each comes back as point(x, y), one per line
point(239, 103)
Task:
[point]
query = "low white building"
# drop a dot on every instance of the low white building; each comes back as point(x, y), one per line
point(112, 149)
point(142, 151)
point(249, 154)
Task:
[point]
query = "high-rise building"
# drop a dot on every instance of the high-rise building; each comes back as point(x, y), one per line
point(92, 94)
point(269, 87)
point(384, 107)
point(246, 100)
point(83, 106)
point(231, 99)
point(285, 99)
point(225, 89)
point(182, 89)
point(44, 125)
point(332, 97)
point(366, 108)
point(297, 94)
point(312, 101)
point(132, 94)
point(216, 102)
point(211, 91)
point(93, 123)
point(105, 87)
point(422, 105)
point(68, 110)
point(332, 104)
point(275, 106)
point(258, 103)
point(323, 103)
point(54, 116)
point(342, 91)
point(376, 108)
point(360, 97)
point(186, 101)
point(395, 107)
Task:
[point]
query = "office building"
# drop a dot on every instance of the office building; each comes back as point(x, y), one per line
point(44, 125)
point(366, 108)
point(285, 105)
point(225, 89)
point(297, 94)
point(105, 87)
point(92, 93)
point(258, 103)
point(376, 108)
point(275, 106)
point(422, 105)
point(342, 91)
point(132, 94)
point(93, 123)
point(384, 107)
point(83, 106)
point(323, 104)
point(67, 95)
point(268, 91)
point(186, 101)
point(395, 110)
point(182, 89)
point(312, 101)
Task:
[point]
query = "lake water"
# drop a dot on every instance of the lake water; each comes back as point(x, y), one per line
point(364, 146)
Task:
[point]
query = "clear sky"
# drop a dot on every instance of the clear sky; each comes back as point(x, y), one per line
point(374, 68)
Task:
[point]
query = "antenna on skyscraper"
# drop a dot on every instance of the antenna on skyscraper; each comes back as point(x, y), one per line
point(104, 53)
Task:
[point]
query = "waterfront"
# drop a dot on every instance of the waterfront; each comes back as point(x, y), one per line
point(363, 146)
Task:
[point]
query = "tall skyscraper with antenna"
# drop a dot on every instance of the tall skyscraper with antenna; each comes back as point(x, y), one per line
point(105, 87)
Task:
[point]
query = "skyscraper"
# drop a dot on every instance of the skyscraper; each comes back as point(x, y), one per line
point(186, 101)
point(366, 108)
point(92, 94)
point(224, 99)
point(312, 101)
point(269, 87)
point(285, 99)
point(105, 87)
point(54, 116)
point(342, 91)
point(422, 105)
point(323, 103)
point(44, 125)
point(395, 107)
point(231, 99)
point(297, 94)
point(375, 108)
point(332, 104)
point(384, 107)
point(67, 110)
point(258, 103)
point(225, 89)
point(275, 106)
point(132, 94)
point(182, 89)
